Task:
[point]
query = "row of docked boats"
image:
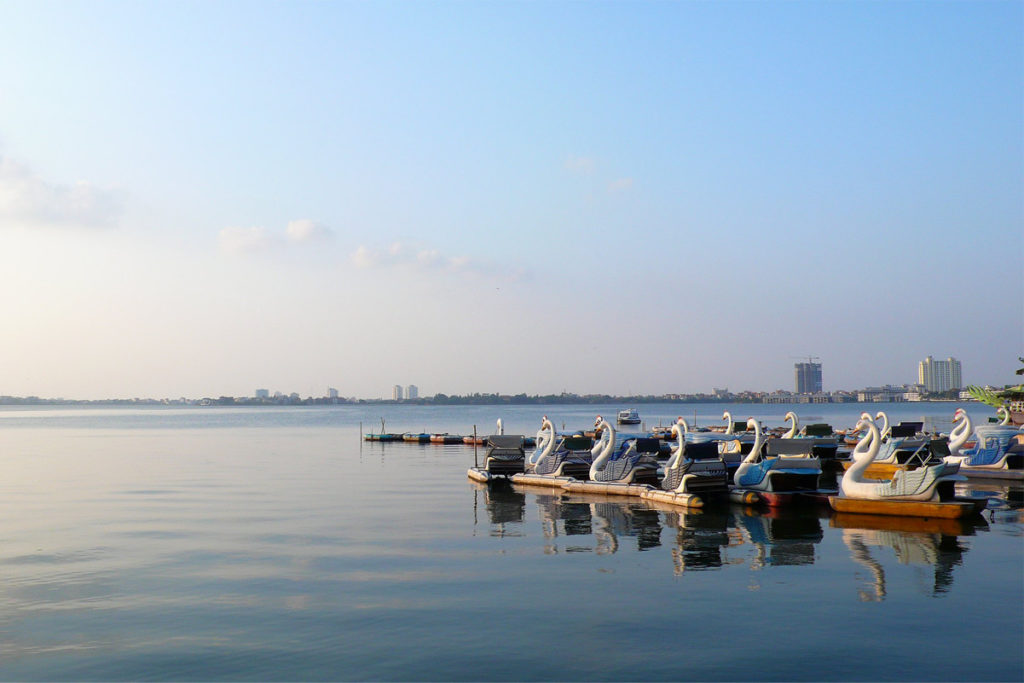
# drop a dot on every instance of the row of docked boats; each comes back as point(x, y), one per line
point(895, 470)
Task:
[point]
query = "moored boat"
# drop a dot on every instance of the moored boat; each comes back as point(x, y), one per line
point(927, 491)
point(630, 416)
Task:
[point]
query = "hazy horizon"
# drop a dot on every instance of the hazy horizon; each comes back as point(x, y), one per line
point(201, 199)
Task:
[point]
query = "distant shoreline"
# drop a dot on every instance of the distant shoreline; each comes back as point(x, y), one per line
point(489, 400)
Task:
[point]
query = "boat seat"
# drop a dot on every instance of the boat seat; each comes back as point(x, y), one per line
point(649, 445)
point(706, 450)
point(904, 429)
point(576, 443)
point(790, 447)
point(818, 429)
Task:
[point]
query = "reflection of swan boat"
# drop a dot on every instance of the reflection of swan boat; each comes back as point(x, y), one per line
point(504, 506)
point(998, 451)
point(786, 469)
point(629, 416)
point(613, 520)
point(782, 537)
point(927, 491)
point(505, 456)
point(930, 542)
point(964, 526)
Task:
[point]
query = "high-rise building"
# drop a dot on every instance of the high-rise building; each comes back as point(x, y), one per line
point(808, 378)
point(262, 393)
point(332, 392)
point(939, 375)
point(412, 391)
point(396, 392)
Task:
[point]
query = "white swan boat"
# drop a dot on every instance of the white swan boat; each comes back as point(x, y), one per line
point(998, 452)
point(505, 457)
point(732, 445)
point(786, 468)
point(694, 468)
point(625, 464)
point(556, 458)
point(927, 491)
point(825, 442)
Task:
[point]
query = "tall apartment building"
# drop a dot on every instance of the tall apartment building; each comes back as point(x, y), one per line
point(396, 392)
point(412, 391)
point(808, 378)
point(939, 375)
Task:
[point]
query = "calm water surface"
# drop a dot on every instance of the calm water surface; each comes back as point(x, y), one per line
point(273, 544)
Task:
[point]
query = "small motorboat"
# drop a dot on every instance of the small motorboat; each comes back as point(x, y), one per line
point(630, 416)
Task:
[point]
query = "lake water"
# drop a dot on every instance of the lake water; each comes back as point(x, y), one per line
point(274, 544)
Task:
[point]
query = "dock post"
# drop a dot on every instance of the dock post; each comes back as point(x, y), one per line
point(475, 463)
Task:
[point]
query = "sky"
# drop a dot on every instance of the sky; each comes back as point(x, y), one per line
point(202, 199)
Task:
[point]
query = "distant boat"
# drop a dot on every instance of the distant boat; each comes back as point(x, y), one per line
point(629, 416)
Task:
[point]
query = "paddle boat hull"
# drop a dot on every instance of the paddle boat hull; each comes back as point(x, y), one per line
point(953, 509)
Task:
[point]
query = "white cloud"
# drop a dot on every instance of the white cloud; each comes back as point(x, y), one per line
point(257, 239)
point(27, 200)
point(399, 255)
point(580, 165)
point(307, 231)
point(235, 240)
point(620, 185)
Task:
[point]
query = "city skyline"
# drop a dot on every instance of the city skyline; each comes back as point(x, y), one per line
point(625, 198)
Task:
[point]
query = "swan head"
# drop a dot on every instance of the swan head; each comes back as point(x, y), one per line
point(865, 416)
point(754, 425)
point(681, 422)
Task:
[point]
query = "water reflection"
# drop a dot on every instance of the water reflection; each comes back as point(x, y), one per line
point(701, 539)
point(503, 505)
point(914, 540)
point(782, 536)
point(716, 538)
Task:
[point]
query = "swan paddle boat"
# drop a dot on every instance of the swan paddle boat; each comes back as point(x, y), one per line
point(927, 491)
point(505, 457)
point(786, 469)
point(692, 469)
point(900, 444)
point(629, 468)
point(732, 445)
point(557, 458)
point(998, 452)
point(825, 443)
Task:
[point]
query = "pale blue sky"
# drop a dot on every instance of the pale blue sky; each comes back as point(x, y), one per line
point(206, 198)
